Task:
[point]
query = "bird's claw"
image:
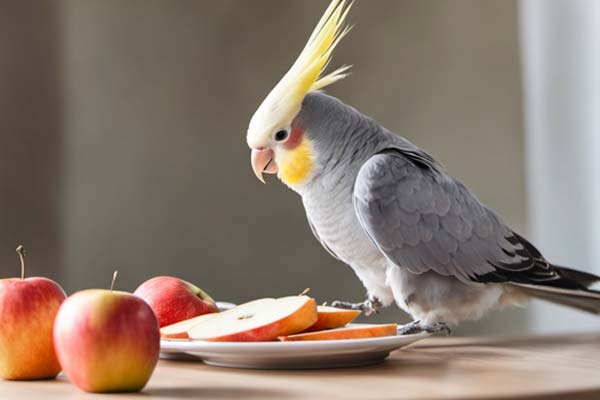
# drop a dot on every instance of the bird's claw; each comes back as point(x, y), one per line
point(368, 307)
point(417, 327)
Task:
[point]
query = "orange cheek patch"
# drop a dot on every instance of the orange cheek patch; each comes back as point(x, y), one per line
point(295, 138)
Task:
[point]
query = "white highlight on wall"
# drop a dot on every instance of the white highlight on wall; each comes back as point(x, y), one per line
point(560, 41)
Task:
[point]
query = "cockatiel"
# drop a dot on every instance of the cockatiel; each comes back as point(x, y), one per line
point(411, 232)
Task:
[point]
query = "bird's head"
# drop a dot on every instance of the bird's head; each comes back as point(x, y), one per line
point(277, 139)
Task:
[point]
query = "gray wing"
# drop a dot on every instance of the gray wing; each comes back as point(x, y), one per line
point(314, 231)
point(424, 220)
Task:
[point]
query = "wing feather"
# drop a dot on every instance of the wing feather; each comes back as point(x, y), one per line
point(424, 220)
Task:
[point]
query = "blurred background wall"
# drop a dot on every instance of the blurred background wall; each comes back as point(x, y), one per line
point(122, 134)
point(32, 138)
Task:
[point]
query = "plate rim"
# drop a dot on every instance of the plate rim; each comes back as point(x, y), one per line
point(190, 345)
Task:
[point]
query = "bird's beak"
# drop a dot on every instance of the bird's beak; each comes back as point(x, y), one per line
point(263, 160)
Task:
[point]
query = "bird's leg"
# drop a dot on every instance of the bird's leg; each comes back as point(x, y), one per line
point(418, 327)
point(370, 306)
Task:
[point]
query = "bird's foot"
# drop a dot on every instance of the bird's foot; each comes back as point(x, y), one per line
point(368, 307)
point(417, 327)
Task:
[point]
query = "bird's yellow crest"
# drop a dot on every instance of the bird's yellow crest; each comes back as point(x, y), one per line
point(306, 71)
point(306, 75)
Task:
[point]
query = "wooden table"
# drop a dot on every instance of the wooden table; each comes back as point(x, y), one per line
point(555, 367)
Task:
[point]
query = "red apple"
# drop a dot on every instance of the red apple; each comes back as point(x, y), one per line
point(106, 341)
point(259, 320)
point(27, 310)
point(350, 332)
point(173, 299)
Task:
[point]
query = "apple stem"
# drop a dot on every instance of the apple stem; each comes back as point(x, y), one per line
point(114, 278)
point(21, 253)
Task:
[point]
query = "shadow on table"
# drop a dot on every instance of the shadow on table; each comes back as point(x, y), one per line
point(214, 393)
point(575, 395)
point(512, 342)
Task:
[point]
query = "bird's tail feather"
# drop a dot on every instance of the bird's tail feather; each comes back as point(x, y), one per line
point(583, 278)
point(583, 298)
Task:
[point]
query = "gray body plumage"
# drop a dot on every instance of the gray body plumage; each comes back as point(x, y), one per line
point(410, 231)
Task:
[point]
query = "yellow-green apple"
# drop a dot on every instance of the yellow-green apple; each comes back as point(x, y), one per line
point(331, 317)
point(258, 321)
point(106, 341)
point(173, 299)
point(350, 332)
point(179, 330)
point(27, 310)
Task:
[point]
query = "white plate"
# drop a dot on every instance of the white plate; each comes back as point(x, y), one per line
point(288, 355)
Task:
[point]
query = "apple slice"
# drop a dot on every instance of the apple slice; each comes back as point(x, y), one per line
point(258, 321)
point(331, 317)
point(351, 332)
point(179, 330)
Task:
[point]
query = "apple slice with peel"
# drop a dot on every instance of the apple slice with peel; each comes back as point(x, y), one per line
point(332, 317)
point(350, 332)
point(179, 330)
point(258, 321)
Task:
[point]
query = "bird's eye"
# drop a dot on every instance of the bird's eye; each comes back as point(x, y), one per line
point(281, 135)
